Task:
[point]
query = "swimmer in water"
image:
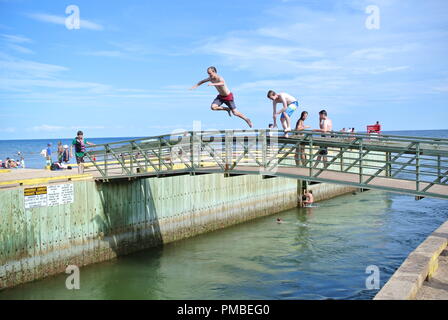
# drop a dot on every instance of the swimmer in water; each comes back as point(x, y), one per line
point(309, 198)
point(279, 220)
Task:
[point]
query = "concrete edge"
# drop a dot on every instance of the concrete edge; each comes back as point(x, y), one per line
point(421, 264)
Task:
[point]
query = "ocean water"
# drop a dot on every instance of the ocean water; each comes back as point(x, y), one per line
point(30, 149)
point(317, 253)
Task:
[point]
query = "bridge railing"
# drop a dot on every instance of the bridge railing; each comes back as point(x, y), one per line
point(423, 162)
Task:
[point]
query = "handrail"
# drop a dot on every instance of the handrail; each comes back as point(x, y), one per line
point(422, 162)
point(377, 138)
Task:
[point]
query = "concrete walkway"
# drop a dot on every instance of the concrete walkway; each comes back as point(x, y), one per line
point(437, 287)
point(424, 274)
point(18, 177)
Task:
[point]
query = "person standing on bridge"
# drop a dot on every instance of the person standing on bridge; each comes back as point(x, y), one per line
point(80, 150)
point(224, 96)
point(300, 126)
point(289, 103)
point(325, 126)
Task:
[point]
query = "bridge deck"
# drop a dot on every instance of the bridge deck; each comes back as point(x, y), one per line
point(383, 183)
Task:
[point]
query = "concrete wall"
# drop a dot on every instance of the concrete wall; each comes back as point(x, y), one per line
point(420, 265)
point(116, 218)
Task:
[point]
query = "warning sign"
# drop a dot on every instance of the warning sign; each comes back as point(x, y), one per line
point(60, 194)
point(35, 197)
point(53, 195)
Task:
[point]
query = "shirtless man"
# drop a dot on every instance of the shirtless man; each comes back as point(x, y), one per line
point(309, 198)
point(289, 103)
point(326, 125)
point(224, 96)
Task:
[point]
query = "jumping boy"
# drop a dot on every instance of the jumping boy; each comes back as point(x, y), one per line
point(289, 103)
point(224, 96)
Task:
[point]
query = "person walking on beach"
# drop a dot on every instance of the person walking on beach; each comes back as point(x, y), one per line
point(80, 150)
point(290, 104)
point(325, 126)
point(224, 95)
point(300, 126)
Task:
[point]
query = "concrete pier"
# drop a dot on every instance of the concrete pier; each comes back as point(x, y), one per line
point(94, 221)
point(424, 273)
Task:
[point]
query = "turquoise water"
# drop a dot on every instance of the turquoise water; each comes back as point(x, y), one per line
point(318, 253)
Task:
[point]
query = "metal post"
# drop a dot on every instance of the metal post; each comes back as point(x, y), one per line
point(388, 164)
point(264, 148)
point(342, 159)
point(192, 143)
point(160, 154)
point(360, 160)
point(105, 160)
point(311, 155)
point(131, 153)
point(228, 149)
point(417, 165)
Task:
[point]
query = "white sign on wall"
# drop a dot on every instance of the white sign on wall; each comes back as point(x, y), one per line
point(49, 196)
point(60, 194)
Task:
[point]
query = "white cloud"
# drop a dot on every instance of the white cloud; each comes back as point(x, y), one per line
point(56, 128)
point(50, 18)
point(378, 53)
point(16, 38)
point(15, 67)
point(15, 42)
point(20, 49)
point(105, 53)
point(46, 128)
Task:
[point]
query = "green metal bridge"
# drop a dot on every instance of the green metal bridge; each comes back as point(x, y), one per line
point(413, 165)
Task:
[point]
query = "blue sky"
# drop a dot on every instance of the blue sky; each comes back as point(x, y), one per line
point(127, 70)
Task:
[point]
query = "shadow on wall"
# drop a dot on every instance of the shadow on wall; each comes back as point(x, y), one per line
point(129, 221)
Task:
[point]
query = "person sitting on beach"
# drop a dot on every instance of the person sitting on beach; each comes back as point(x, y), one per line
point(290, 104)
point(11, 163)
point(309, 198)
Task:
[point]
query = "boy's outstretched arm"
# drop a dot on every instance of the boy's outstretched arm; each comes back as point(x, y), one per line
point(200, 83)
